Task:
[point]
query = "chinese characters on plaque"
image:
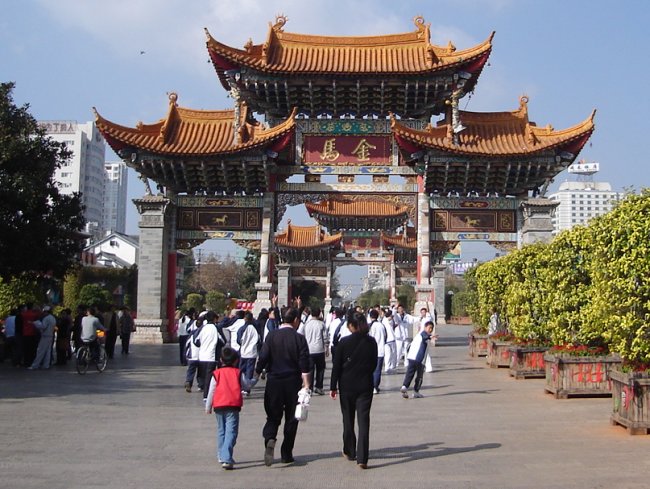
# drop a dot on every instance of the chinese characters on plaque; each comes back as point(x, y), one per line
point(347, 150)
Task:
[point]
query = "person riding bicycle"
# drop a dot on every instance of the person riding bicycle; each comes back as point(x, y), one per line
point(90, 324)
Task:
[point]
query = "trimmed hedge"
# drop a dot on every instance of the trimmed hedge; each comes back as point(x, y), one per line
point(590, 285)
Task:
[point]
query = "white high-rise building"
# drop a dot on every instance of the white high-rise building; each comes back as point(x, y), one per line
point(84, 171)
point(377, 278)
point(115, 196)
point(581, 201)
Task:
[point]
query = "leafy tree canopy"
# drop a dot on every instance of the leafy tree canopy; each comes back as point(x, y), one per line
point(38, 224)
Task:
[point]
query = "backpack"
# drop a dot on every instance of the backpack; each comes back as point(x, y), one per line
point(195, 336)
point(271, 324)
point(240, 333)
point(337, 333)
point(382, 326)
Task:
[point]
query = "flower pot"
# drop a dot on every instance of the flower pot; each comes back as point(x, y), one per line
point(631, 396)
point(498, 354)
point(568, 375)
point(478, 345)
point(527, 362)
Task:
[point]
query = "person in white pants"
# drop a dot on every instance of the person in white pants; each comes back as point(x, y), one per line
point(390, 352)
point(44, 352)
point(403, 333)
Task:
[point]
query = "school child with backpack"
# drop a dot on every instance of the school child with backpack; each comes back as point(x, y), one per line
point(248, 342)
point(226, 400)
point(192, 355)
point(337, 330)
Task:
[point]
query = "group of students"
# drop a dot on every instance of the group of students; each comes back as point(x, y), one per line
point(292, 352)
point(36, 339)
point(202, 337)
point(393, 331)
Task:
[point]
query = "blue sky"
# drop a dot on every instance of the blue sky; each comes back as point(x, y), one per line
point(569, 57)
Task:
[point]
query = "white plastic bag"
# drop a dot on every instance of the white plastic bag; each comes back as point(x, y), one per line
point(302, 408)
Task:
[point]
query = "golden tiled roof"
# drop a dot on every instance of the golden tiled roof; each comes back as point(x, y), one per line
point(305, 237)
point(496, 134)
point(409, 241)
point(359, 208)
point(193, 132)
point(285, 52)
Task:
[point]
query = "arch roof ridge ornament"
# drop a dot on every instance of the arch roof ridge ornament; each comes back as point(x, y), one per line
point(272, 38)
point(172, 116)
point(522, 112)
point(523, 105)
point(423, 28)
point(280, 21)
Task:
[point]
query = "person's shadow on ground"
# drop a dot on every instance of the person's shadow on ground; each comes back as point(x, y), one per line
point(387, 456)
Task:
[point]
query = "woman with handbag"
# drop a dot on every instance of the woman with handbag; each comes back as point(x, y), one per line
point(355, 360)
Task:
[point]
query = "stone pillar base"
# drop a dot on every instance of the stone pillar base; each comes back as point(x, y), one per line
point(150, 331)
point(423, 299)
point(328, 306)
point(284, 285)
point(263, 299)
point(438, 283)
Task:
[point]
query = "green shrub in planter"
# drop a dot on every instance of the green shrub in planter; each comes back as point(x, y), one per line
point(619, 311)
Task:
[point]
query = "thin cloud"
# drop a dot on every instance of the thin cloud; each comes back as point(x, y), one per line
point(171, 32)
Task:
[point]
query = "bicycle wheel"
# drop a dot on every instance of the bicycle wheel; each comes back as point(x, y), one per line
point(83, 358)
point(101, 361)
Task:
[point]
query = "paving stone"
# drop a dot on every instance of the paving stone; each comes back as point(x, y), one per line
point(134, 426)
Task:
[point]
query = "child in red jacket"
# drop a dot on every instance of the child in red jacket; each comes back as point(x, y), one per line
point(225, 399)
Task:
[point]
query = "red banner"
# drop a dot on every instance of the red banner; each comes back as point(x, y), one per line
point(347, 150)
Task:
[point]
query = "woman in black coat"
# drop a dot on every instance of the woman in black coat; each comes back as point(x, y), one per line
point(354, 362)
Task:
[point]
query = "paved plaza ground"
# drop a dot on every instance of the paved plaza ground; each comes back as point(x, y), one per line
point(134, 426)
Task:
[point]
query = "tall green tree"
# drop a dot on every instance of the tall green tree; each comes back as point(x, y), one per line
point(38, 225)
point(252, 265)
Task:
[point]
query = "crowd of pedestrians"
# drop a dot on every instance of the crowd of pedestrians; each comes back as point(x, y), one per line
point(36, 338)
point(227, 356)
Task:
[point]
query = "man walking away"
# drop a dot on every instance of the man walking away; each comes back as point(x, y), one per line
point(315, 333)
point(337, 329)
point(390, 356)
point(209, 350)
point(230, 330)
point(110, 323)
point(285, 357)
point(183, 332)
point(248, 341)
point(378, 333)
point(63, 332)
point(125, 326)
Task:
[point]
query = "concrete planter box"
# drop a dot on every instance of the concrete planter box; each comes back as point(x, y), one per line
point(568, 375)
point(527, 362)
point(631, 396)
point(478, 345)
point(498, 354)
